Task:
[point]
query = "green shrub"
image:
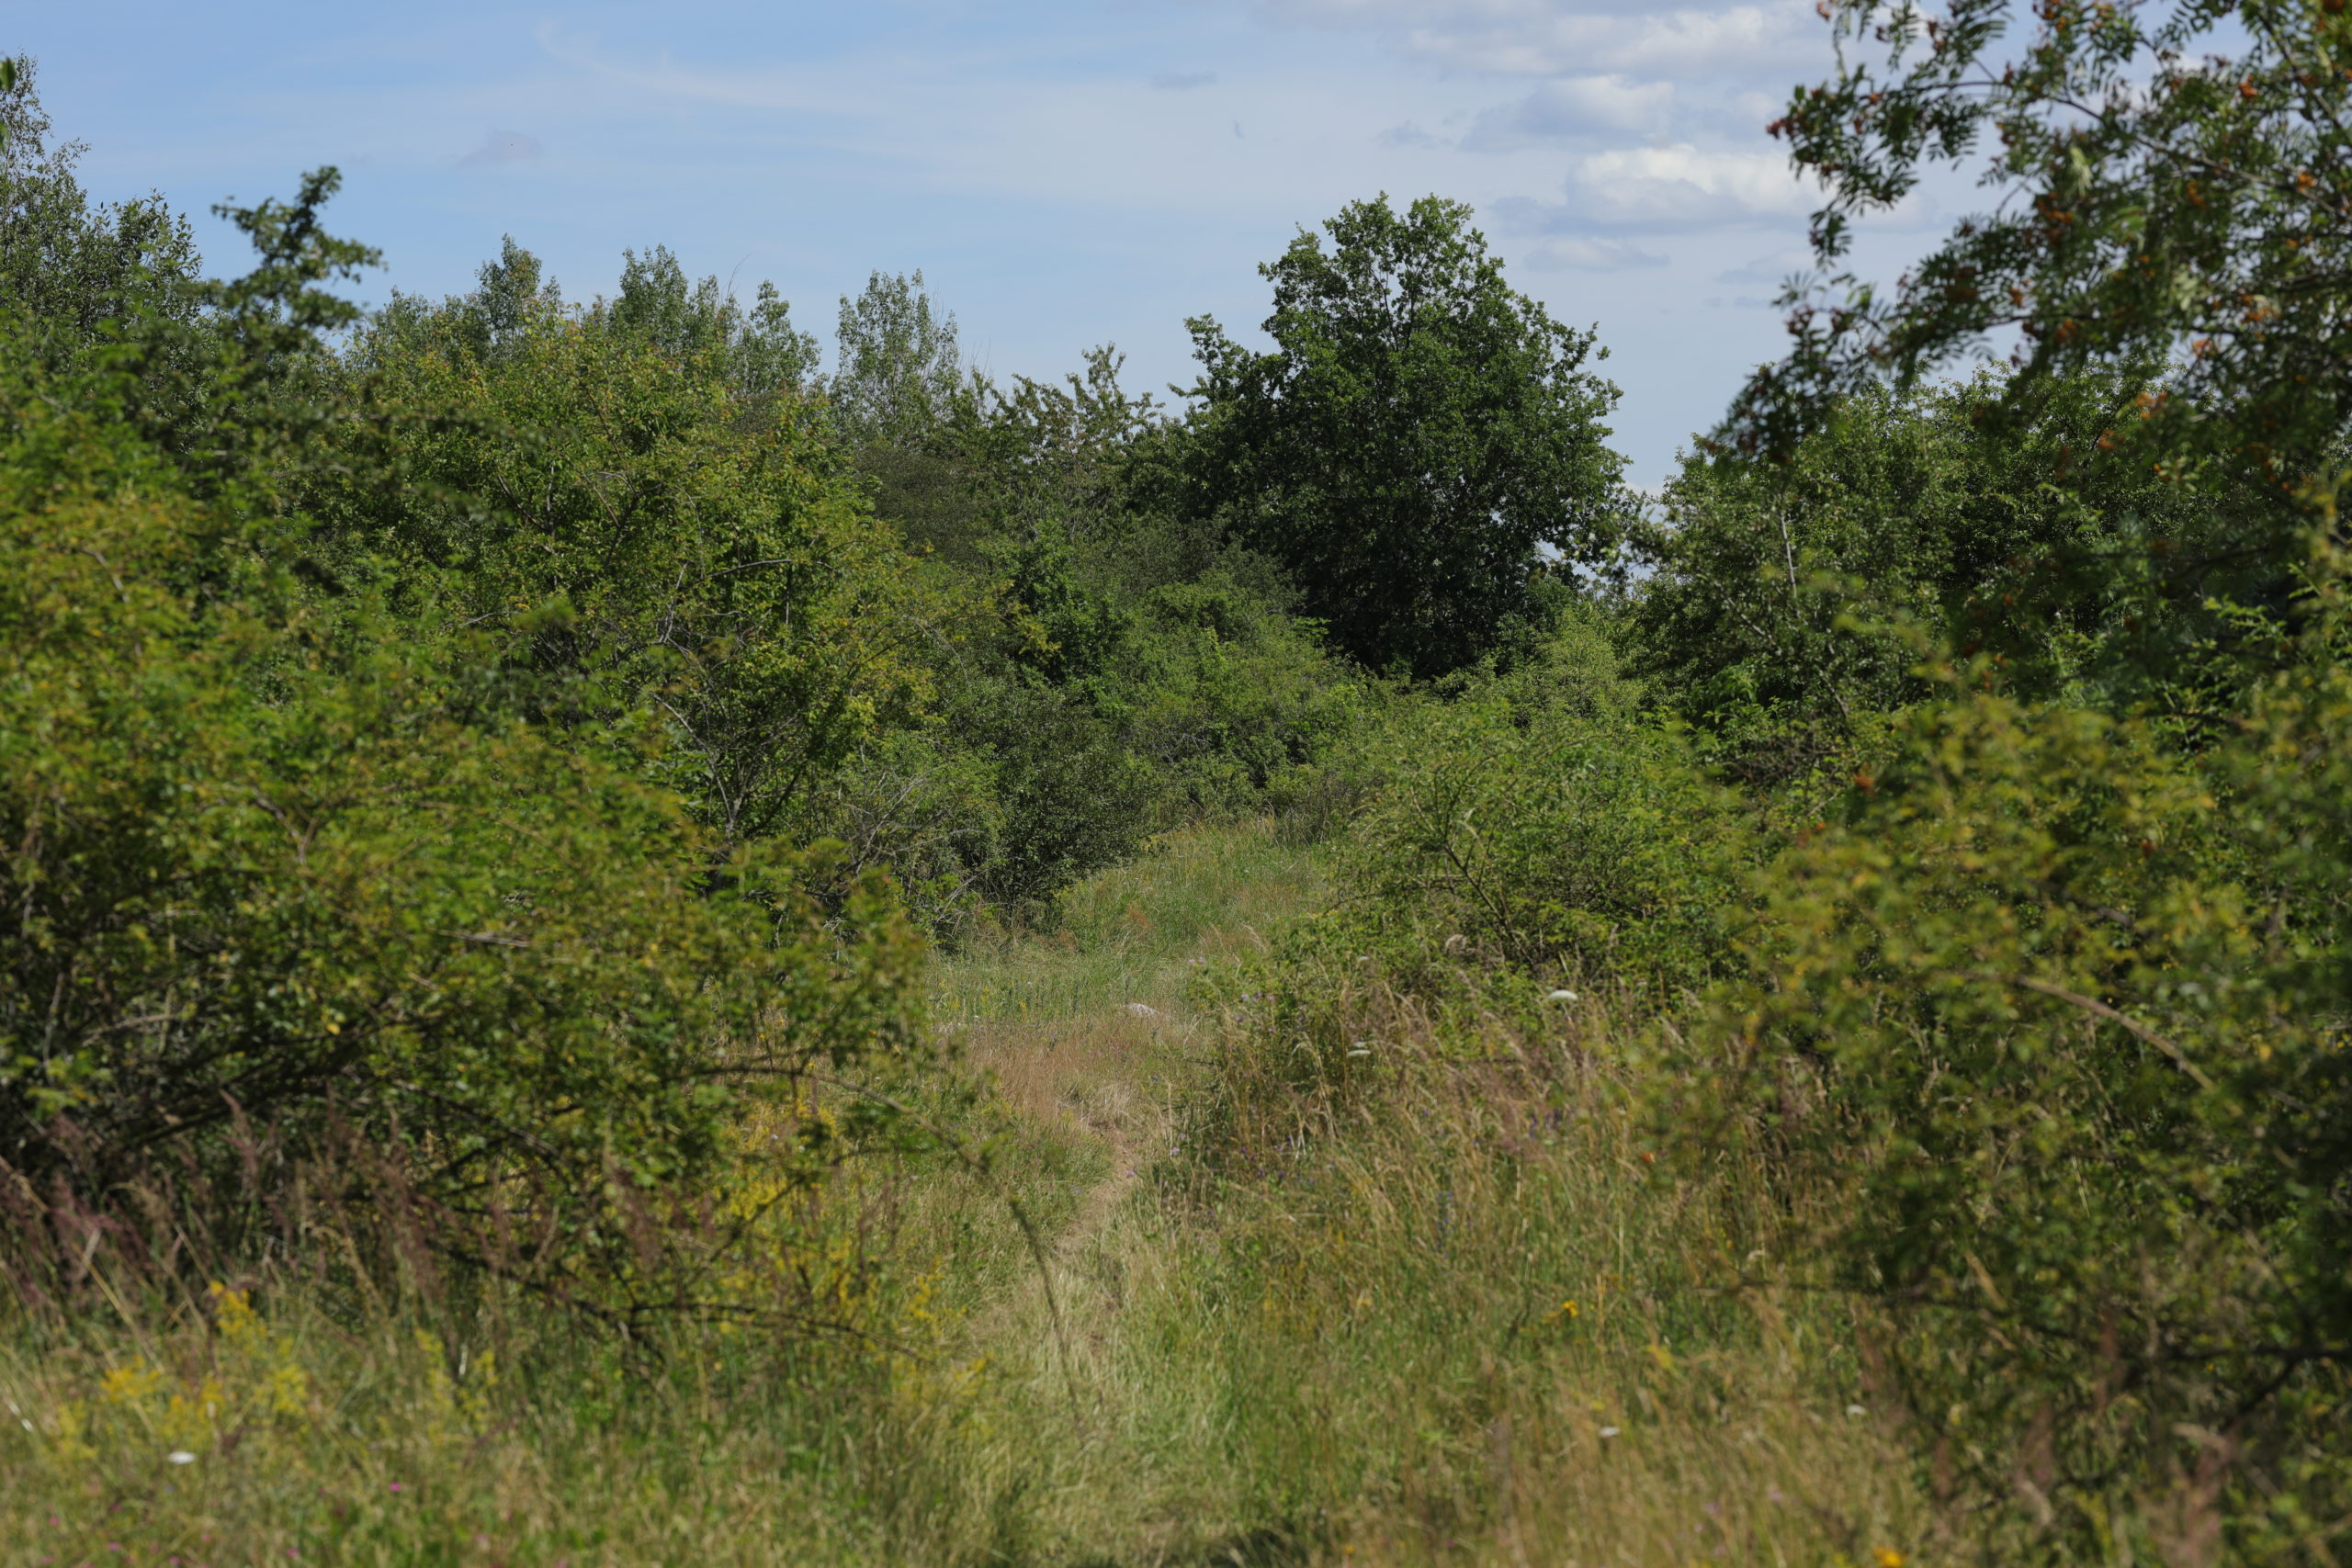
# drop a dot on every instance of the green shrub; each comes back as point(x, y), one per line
point(263, 862)
point(636, 540)
point(1542, 819)
point(1793, 601)
point(2058, 1016)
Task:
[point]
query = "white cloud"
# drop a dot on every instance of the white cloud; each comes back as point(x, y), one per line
point(1575, 107)
point(1182, 81)
point(1663, 189)
point(1573, 255)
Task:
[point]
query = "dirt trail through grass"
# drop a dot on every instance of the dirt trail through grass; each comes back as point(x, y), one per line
point(1093, 1042)
point(1461, 1334)
point(1090, 1037)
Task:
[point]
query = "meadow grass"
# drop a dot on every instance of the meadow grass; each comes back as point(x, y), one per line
point(1448, 1316)
point(1459, 1320)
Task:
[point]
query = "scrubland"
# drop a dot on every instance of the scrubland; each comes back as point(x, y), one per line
point(620, 947)
point(1451, 1315)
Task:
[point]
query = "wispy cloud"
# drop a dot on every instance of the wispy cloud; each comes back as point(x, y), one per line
point(1774, 267)
point(503, 147)
point(1669, 189)
point(1182, 81)
point(1575, 108)
point(1575, 254)
point(1551, 37)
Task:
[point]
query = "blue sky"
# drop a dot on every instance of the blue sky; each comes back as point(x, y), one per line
point(1065, 173)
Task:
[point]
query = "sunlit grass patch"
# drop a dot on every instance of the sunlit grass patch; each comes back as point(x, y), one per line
point(1130, 934)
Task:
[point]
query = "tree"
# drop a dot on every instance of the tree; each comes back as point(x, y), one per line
point(760, 353)
point(1416, 436)
point(1791, 597)
point(2150, 200)
point(594, 501)
point(67, 265)
point(900, 372)
point(2045, 1016)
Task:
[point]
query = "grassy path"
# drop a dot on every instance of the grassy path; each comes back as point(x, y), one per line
point(1460, 1330)
point(1091, 1041)
point(1088, 1034)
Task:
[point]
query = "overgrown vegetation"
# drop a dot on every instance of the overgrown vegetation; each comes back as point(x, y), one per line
point(624, 949)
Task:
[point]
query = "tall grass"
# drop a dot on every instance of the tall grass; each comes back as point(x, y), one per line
point(1135, 933)
point(1426, 1303)
point(1450, 1312)
point(330, 1389)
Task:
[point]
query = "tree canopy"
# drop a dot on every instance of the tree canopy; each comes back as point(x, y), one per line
point(1418, 436)
point(2170, 180)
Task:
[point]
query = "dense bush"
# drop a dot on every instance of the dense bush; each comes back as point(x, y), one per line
point(1542, 819)
point(2057, 1013)
point(637, 537)
point(1793, 602)
point(267, 861)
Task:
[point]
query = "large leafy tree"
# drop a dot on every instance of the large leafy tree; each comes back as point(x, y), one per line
point(1418, 434)
point(2171, 181)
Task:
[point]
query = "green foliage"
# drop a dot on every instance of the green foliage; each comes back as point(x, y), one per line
point(233, 385)
point(1793, 601)
point(2164, 173)
point(757, 352)
point(1112, 674)
point(601, 509)
point(68, 268)
point(263, 865)
point(2052, 1004)
point(340, 749)
point(2056, 1018)
point(1231, 701)
point(1418, 431)
point(514, 748)
point(1049, 453)
point(899, 375)
point(1540, 822)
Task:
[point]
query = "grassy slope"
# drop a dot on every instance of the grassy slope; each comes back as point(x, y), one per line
point(1356, 1346)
